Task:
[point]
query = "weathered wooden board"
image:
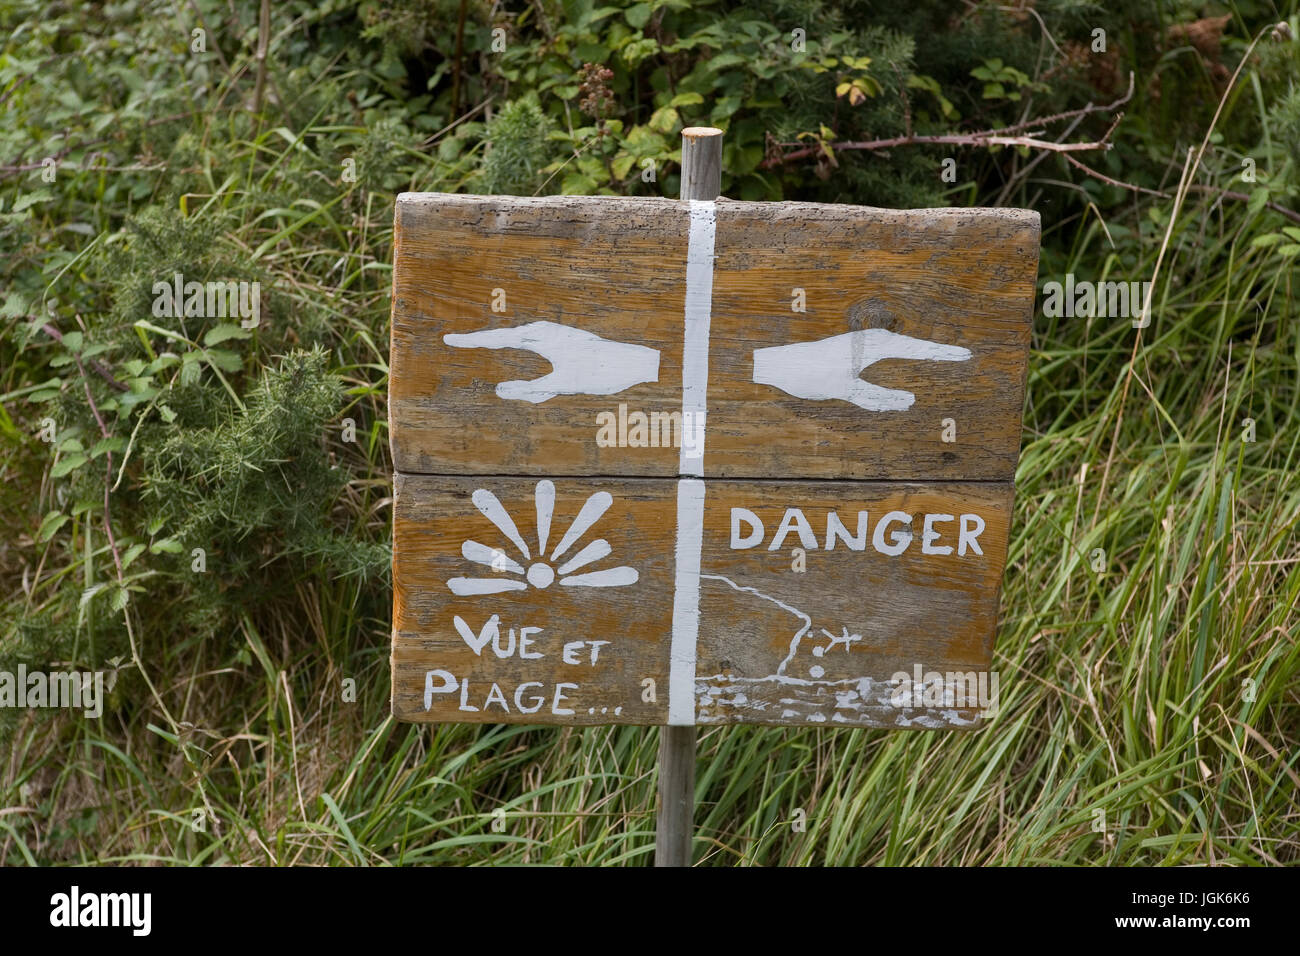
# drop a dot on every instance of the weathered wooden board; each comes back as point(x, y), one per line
point(951, 281)
point(522, 326)
point(841, 388)
point(555, 601)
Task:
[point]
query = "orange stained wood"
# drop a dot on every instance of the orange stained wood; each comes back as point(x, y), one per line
point(802, 625)
point(784, 274)
point(834, 556)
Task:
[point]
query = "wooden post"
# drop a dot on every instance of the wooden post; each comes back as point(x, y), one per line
point(701, 163)
point(674, 829)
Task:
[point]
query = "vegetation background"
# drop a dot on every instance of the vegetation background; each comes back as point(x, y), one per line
point(1148, 639)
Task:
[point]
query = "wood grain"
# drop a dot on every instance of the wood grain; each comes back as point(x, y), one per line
point(611, 266)
point(764, 612)
point(840, 342)
point(615, 268)
point(960, 277)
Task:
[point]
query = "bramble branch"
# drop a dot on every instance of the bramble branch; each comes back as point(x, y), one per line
point(104, 373)
point(1003, 136)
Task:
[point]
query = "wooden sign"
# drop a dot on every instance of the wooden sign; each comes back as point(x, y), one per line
point(685, 463)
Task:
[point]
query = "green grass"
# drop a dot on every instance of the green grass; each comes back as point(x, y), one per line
point(1122, 690)
point(1147, 645)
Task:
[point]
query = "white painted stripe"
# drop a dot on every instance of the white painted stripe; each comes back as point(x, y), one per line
point(695, 347)
point(690, 491)
point(686, 603)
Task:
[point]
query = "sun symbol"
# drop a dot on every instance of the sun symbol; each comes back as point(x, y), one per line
point(542, 572)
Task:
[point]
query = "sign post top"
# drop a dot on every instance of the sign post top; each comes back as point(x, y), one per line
point(701, 162)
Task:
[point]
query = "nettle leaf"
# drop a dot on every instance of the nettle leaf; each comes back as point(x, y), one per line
point(106, 445)
point(591, 166)
point(225, 360)
point(633, 53)
point(16, 304)
point(69, 444)
point(644, 142)
point(132, 553)
point(51, 523)
point(638, 15)
point(142, 390)
point(664, 120)
point(595, 16)
point(622, 164)
point(577, 184)
point(190, 370)
point(89, 593)
point(225, 331)
point(120, 598)
point(723, 109)
point(169, 545)
point(31, 199)
point(67, 465)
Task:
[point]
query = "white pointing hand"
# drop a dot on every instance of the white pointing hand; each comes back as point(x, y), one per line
point(582, 363)
point(830, 368)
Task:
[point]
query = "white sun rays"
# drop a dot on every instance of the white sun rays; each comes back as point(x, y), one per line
point(542, 572)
